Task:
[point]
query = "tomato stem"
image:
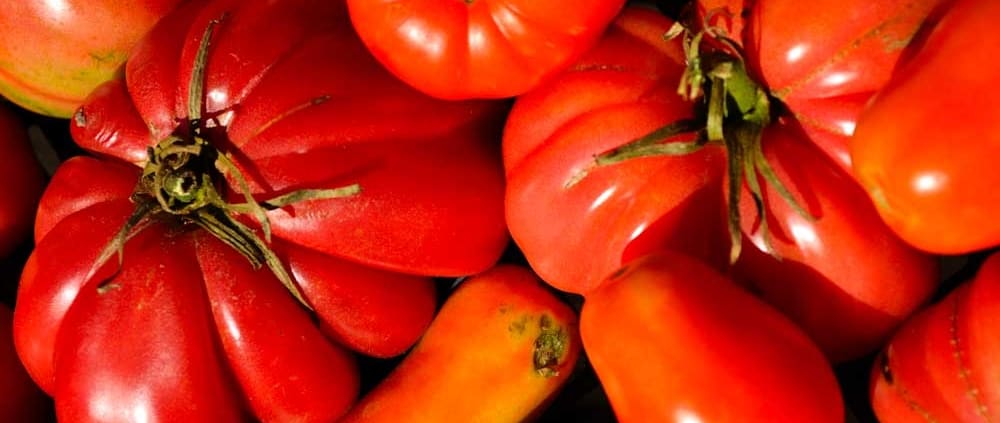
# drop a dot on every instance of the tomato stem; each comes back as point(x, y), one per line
point(182, 180)
point(736, 113)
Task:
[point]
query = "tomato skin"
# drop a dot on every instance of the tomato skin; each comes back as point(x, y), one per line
point(671, 339)
point(477, 361)
point(259, 94)
point(941, 365)
point(17, 205)
point(843, 275)
point(479, 49)
point(20, 399)
point(296, 99)
point(827, 66)
point(927, 164)
point(52, 54)
point(622, 89)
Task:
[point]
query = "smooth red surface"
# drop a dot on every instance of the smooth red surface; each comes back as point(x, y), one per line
point(482, 48)
point(928, 164)
point(673, 340)
point(53, 53)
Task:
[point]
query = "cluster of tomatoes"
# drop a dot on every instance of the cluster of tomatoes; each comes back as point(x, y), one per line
point(314, 210)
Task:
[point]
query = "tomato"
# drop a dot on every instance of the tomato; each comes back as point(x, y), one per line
point(184, 327)
point(17, 204)
point(671, 339)
point(840, 272)
point(479, 49)
point(20, 398)
point(53, 53)
point(498, 351)
point(926, 163)
point(941, 365)
point(575, 229)
point(826, 66)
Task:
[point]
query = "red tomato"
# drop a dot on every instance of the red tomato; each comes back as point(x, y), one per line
point(53, 53)
point(20, 398)
point(186, 329)
point(479, 49)
point(574, 231)
point(827, 65)
point(26, 181)
point(673, 340)
point(842, 275)
point(941, 365)
point(927, 163)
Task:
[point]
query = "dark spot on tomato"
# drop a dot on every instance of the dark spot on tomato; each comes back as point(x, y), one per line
point(884, 368)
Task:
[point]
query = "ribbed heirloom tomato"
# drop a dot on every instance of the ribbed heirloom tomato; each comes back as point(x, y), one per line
point(238, 122)
point(577, 223)
point(53, 53)
point(827, 65)
point(941, 365)
point(460, 49)
point(831, 264)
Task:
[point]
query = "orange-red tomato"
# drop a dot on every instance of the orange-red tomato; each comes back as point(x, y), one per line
point(924, 149)
point(499, 350)
point(671, 339)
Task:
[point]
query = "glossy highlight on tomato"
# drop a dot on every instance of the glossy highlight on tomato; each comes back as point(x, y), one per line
point(479, 48)
point(838, 271)
point(577, 222)
point(928, 164)
point(672, 339)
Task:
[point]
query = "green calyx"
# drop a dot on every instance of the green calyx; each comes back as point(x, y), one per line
point(734, 110)
point(184, 180)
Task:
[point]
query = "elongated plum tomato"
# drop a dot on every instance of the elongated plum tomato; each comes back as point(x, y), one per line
point(826, 66)
point(479, 48)
point(924, 149)
point(25, 181)
point(839, 272)
point(54, 53)
point(671, 339)
point(280, 101)
point(941, 365)
point(577, 222)
point(498, 351)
